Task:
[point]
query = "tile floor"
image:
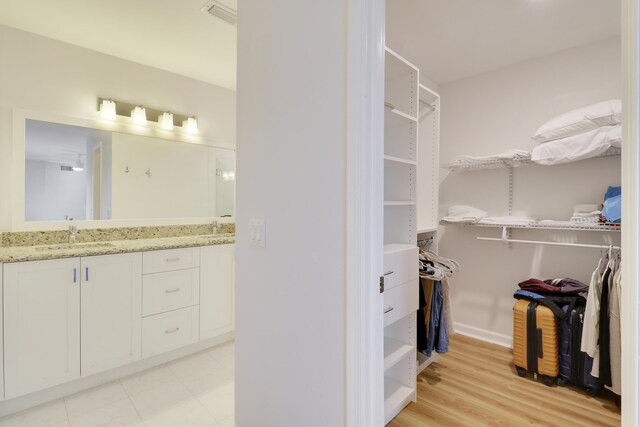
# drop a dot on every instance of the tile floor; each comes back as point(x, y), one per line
point(194, 391)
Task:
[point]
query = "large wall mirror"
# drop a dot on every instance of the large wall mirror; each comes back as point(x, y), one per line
point(81, 173)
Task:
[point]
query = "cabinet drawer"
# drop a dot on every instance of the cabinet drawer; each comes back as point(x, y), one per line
point(168, 331)
point(400, 265)
point(170, 259)
point(170, 290)
point(400, 301)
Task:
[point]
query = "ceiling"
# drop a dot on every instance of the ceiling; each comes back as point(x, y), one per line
point(172, 35)
point(447, 39)
point(450, 40)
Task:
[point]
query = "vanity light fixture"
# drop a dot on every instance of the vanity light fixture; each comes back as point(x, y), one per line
point(139, 115)
point(108, 109)
point(166, 121)
point(191, 125)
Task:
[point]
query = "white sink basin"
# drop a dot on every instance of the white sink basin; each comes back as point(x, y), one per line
point(72, 246)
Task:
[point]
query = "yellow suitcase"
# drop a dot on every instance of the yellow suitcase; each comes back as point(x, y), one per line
point(535, 341)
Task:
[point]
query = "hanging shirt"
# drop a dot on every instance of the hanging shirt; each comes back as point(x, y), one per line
point(590, 332)
point(615, 349)
point(603, 337)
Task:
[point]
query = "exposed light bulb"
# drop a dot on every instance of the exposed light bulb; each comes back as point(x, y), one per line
point(191, 125)
point(166, 121)
point(108, 109)
point(139, 116)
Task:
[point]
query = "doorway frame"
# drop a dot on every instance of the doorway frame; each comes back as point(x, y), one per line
point(630, 210)
point(364, 371)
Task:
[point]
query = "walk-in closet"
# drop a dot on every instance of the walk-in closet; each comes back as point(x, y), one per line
point(503, 137)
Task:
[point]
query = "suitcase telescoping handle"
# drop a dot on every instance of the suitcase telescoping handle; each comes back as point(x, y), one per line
point(539, 343)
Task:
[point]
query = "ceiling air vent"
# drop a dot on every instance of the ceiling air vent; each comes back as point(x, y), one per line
point(219, 10)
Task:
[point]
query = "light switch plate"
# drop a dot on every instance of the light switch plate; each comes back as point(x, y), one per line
point(258, 232)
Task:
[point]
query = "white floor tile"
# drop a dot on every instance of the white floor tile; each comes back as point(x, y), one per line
point(160, 399)
point(220, 406)
point(51, 414)
point(225, 355)
point(227, 422)
point(193, 365)
point(148, 379)
point(117, 414)
point(190, 414)
point(217, 381)
point(95, 398)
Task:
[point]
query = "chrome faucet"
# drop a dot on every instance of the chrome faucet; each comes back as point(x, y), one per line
point(72, 233)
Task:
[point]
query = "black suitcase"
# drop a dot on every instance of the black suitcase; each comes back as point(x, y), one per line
point(575, 365)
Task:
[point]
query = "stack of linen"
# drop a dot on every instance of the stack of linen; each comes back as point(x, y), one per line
point(584, 133)
point(586, 214)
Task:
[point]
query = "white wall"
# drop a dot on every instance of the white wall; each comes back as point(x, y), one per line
point(290, 311)
point(53, 194)
point(46, 75)
point(501, 110)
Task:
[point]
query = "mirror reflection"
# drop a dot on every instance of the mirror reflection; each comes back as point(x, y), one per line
point(77, 173)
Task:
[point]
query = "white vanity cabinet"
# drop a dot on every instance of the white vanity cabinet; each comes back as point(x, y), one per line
point(66, 319)
point(216, 290)
point(111, 309)
point(45, 304)
point(41, 324)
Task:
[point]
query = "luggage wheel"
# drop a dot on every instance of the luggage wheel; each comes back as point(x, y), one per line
point(548, 381)
point(562, 382)
point(521, 372)
point(592, 391)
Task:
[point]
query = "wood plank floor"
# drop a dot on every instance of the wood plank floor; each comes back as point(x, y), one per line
point(476, 384)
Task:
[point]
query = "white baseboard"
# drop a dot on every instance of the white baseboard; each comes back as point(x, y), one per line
point(483, 334)
point(21, 403)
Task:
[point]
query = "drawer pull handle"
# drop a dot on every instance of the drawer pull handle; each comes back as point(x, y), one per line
point(170, 291)
point(388, 272)
point(173, 259)
point(171, 331)
point(388, 309)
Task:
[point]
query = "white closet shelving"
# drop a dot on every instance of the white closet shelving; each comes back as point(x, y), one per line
point(484, 164)
point(400, 228)
point(428, 177)
point(428, 160)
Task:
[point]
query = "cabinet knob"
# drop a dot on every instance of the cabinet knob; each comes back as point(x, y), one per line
point(171, 331)
point(170, 291)
point(173, 259)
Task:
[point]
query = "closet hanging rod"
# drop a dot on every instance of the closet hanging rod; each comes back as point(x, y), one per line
point(538, 242)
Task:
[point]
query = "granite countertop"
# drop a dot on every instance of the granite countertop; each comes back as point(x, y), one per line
point(81, 249)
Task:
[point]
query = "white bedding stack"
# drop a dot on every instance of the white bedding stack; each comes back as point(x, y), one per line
point(580, 134)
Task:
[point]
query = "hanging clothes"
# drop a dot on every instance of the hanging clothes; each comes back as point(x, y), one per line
point(437, 336)
point(603, 336)
point(590, 331)
point(614, 334)
point(434, 316)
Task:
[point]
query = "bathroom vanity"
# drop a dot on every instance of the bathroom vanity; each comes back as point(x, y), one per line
point(100, 310)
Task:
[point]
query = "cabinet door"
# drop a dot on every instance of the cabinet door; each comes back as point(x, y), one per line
point(41, 324)
point(216, 290)
point(111, 311)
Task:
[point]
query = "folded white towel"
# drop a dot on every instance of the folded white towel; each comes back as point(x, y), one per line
point(586, 208)
point(464, 214)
